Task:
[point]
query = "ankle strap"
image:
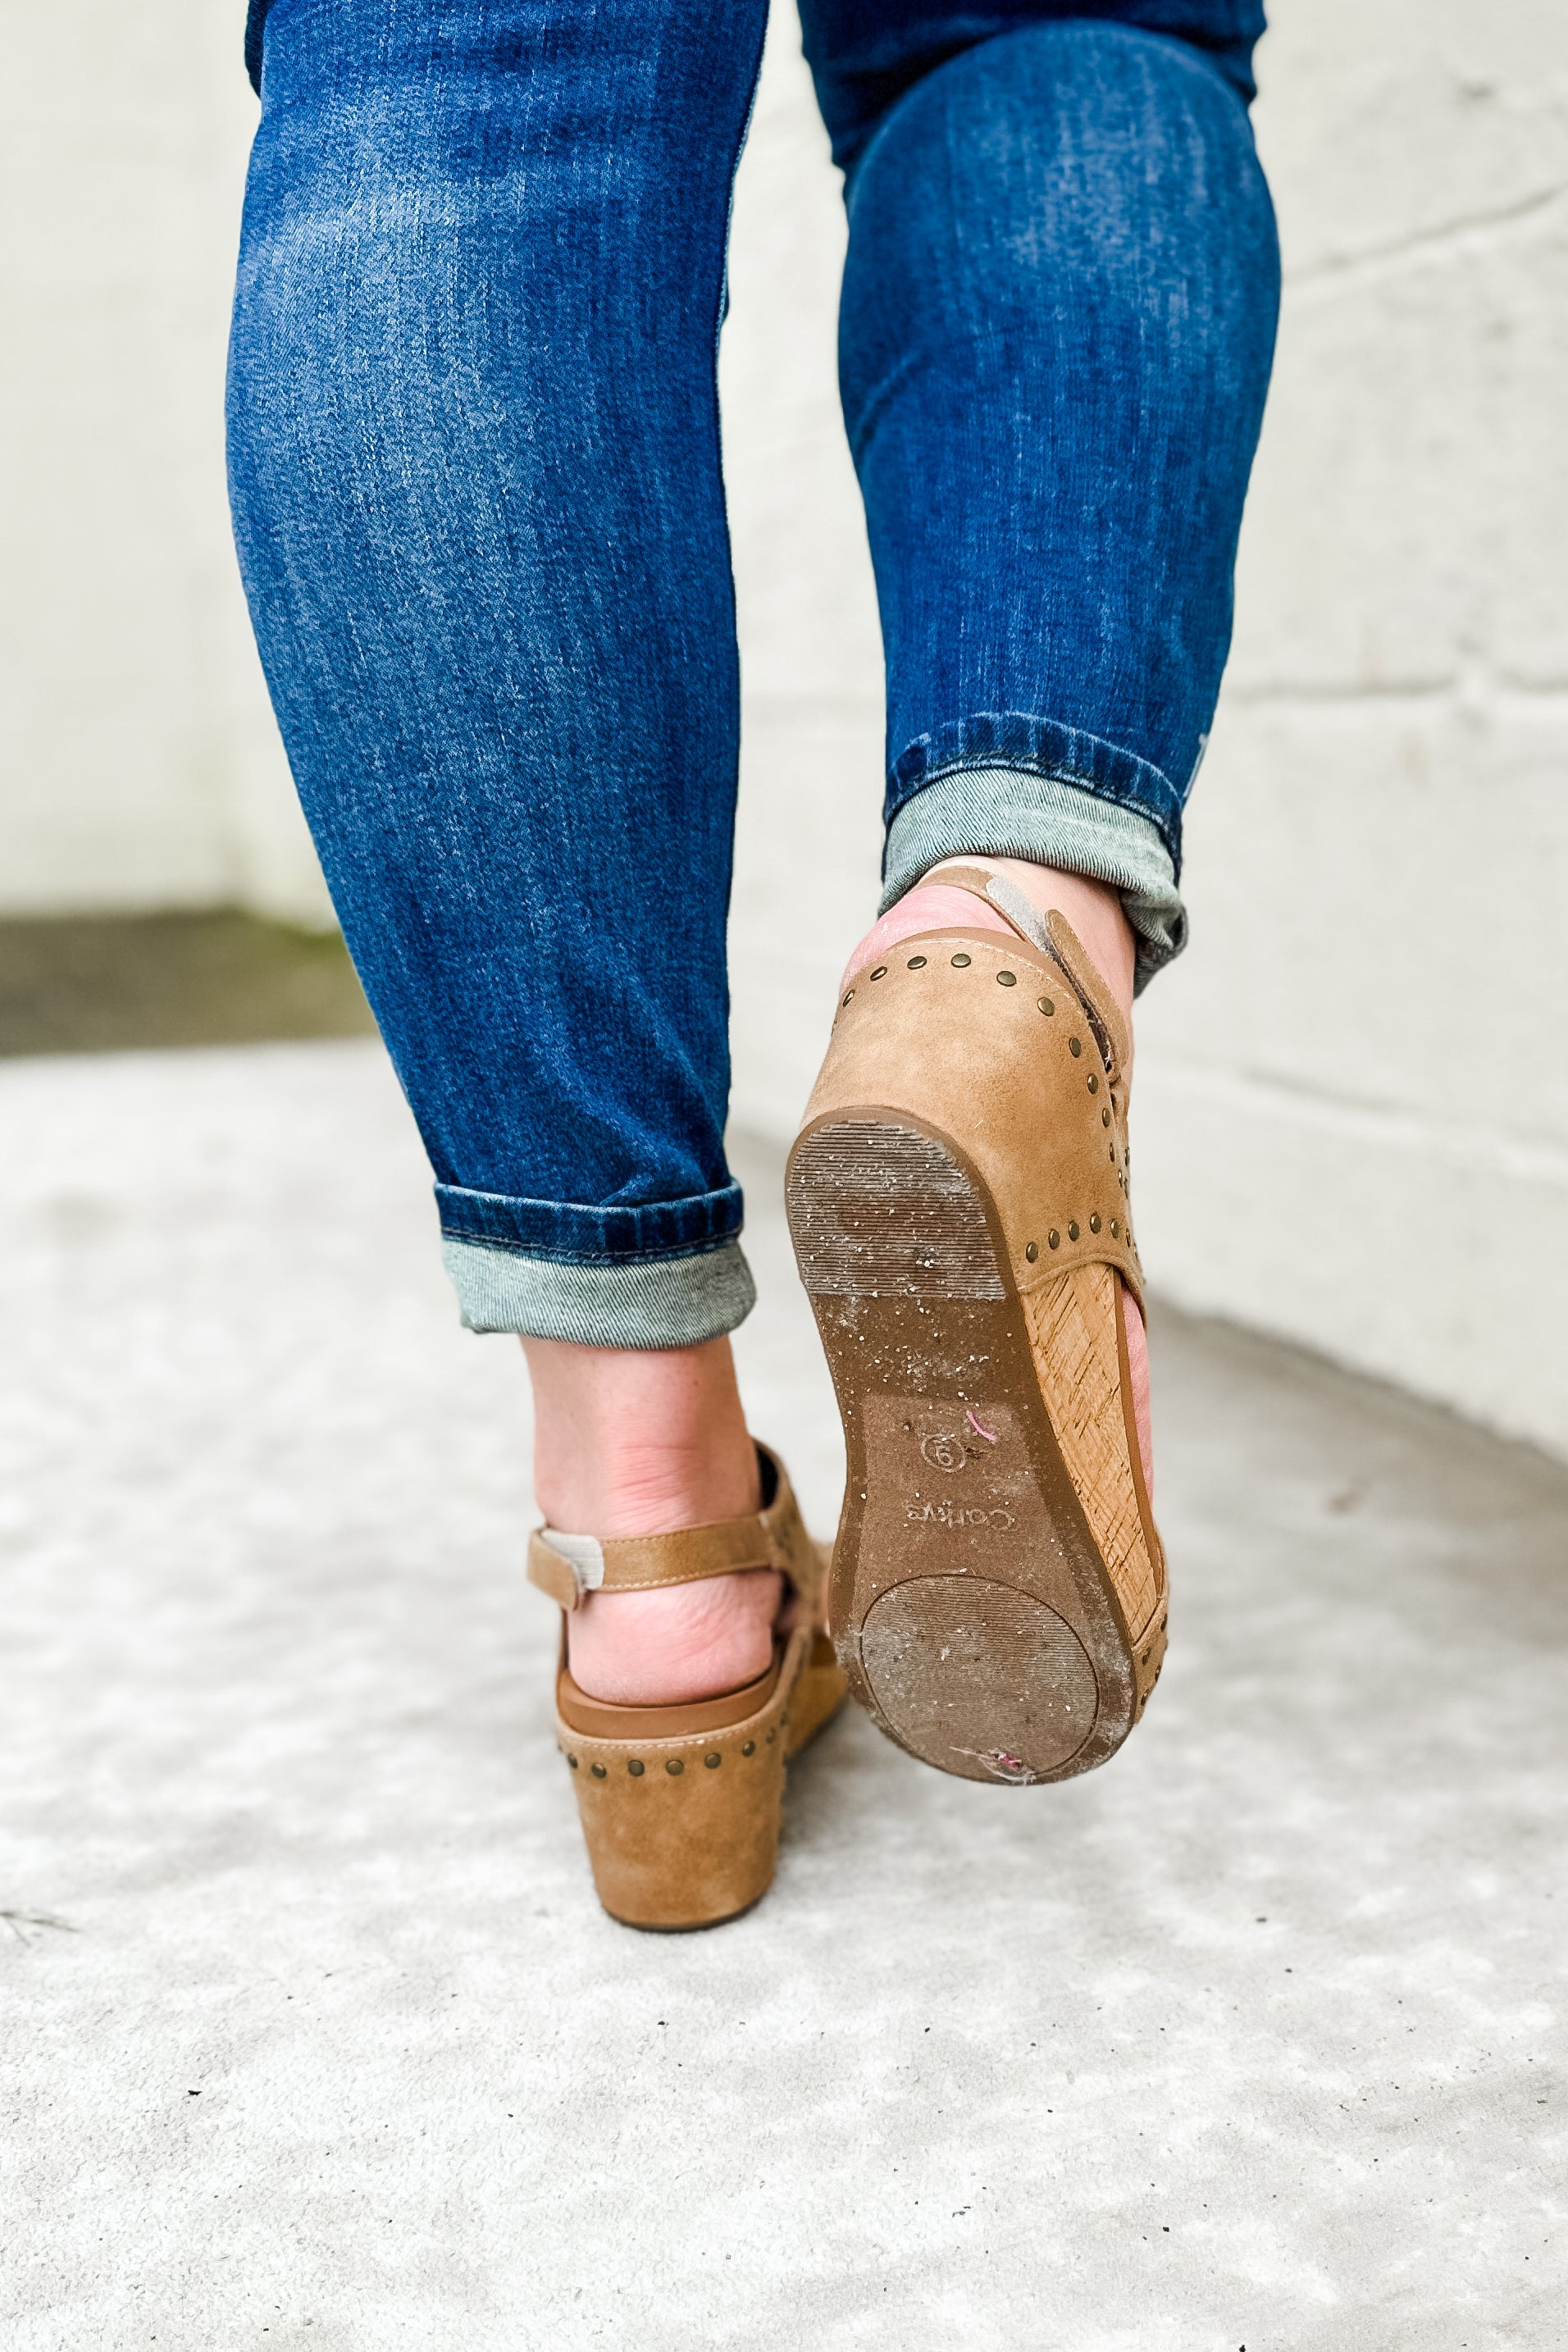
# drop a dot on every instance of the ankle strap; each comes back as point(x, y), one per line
point(954, 874)
point(567, 1566)
point(1011, 903)
point(1055, 936)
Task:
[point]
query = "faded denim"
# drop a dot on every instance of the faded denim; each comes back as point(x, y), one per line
point(474, 460)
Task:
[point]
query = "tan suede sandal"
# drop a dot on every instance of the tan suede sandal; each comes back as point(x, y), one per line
point(680, 1805)
point(958, 1200)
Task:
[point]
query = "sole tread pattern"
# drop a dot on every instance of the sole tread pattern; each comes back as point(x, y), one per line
point(975, 1610)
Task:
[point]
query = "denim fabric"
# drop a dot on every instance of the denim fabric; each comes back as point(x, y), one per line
point(475, 475)
point(474, 460)
point(1057, 323)
point(1018, 812)
point(865, 54)
point(665, 1302)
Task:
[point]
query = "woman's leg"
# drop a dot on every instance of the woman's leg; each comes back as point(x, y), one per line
point(475, 470)
point(1058, 325)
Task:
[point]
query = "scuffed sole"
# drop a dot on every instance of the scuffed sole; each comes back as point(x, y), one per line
point(972, 1612)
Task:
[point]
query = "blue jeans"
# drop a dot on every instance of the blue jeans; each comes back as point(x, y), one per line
point(474, 455)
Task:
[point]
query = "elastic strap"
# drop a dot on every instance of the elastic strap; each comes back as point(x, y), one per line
point(568, 1566)
point(1051, 934)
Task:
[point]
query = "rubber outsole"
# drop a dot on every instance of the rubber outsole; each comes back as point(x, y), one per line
point(972, 1609)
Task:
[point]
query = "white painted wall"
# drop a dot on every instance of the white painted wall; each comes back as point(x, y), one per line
point(1354, 1098)
point(139, 765)
point(1351, 1120)
point(1351, 1112)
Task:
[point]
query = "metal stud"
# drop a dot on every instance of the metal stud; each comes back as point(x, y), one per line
point(845, 997)
point(1072, 1232)
point(1032, 1252)
point(749, 1749)
point(1046, 1007)
point(960, 961)
point(916, 963)
point(1093, 1085)
point(598, 1771)
point(635, 1767)
point(1105, 1116)
point(1094, 1223)
point(674, 1765)
point(880, 973)
point(1115, 1230)
point(712, 1762)
point(1007, 980)
point(1074, 1047)
point(771, 1737)
point(1054, 1238)
point(573, 1762)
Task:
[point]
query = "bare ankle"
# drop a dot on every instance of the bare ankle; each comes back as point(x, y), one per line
point(631, 1441)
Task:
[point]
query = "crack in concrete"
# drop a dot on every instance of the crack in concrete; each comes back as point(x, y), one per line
point(1452, 234)
point(21, 1922)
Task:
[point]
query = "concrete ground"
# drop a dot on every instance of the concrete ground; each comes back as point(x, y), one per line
point(314, 2033)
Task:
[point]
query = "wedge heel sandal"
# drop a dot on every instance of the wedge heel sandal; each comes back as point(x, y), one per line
point(958, 1203)
point(680, 1806)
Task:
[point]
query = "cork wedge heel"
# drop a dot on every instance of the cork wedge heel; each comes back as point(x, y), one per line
point(680, 1805)
point(958, 1203)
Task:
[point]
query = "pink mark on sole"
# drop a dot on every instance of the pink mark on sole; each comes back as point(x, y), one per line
point(986, 1433)
point(1001, 1761)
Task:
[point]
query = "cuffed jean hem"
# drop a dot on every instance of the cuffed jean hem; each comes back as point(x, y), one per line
point(994, 811)
point(668, 1302)
point(1026, 745)
point(582, 1234)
